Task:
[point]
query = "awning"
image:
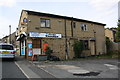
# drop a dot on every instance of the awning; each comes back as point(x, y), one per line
point(92, 39)
point(21, 36)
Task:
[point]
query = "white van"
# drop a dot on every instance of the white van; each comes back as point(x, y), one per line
point(7, 51)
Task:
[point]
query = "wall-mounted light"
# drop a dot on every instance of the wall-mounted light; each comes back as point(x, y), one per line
point(29, 20)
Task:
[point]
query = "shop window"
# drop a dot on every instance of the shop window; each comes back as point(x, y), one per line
point(85, 44)
point(84, 27)
point(45, 22)
point(36, 43)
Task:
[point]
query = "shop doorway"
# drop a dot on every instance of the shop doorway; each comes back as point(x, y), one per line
point(37, 47)
point(23, 48)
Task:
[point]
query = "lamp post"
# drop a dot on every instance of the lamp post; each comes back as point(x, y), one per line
point(10, 34)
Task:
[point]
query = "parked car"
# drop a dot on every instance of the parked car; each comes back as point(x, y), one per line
point(7, 51)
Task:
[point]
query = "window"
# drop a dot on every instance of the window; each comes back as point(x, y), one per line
point(45, 22)
point(85, 44)
point(84, 27)
point(36, 43)
point(6, 47)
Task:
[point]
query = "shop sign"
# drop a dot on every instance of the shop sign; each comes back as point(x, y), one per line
point(45, 35)
point(36, 51)
point(30, 49)
point(24, 21)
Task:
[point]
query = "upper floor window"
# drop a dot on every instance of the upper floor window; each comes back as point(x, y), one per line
point(45, 22)
point(84, 27)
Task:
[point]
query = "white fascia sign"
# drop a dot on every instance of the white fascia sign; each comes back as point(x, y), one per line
point(45, 35)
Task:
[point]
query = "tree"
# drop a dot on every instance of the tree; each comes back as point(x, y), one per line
point(118, 32)
point(108, 44)
point(48, 52)
point(78, 48)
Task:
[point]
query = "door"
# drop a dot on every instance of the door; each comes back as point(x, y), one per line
point(23, 47)
point(36, 43)
point(92, 44)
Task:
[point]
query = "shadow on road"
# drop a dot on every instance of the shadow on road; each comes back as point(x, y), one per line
point(8, 60)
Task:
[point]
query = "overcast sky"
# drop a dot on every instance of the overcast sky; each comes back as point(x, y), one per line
point(103, 11)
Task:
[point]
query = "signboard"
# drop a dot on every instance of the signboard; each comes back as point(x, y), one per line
point(45, 35)
point(36, 51)
point(30, 49)
point(25, 20)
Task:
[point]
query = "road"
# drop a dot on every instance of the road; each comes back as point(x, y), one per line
point(10, 70)
point(105, 69)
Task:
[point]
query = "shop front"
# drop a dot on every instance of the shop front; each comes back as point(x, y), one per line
point(37, 44)
point(22, 42)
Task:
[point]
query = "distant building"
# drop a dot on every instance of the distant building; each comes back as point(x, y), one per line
point(13, 39)
point(36, 30)
point(110, 33)
point(0, 40)
point(6, 39)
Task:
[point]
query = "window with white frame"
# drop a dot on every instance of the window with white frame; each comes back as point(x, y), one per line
point(84, 27)
point(45, 22)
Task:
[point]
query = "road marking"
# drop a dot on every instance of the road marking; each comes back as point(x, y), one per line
point(22, 70)
point(111, 66)
point(45, 70)
point(118, 62)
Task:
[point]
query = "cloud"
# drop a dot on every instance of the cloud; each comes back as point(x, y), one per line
point(52, 0)
point(7, 3)
point(4, 26)
point(102, 5)
point(105, 7)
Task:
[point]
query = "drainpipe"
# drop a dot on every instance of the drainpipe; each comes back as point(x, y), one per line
point(66, 47)
point(20, 47)
point(72, 27)
point(95, 42)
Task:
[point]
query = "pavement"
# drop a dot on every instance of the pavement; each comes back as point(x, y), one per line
point(30, 70)
point(92, 69)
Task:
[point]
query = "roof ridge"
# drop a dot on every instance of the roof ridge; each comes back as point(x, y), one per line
point(60, 16)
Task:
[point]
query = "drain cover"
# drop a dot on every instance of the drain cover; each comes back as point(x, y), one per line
point(76, 71)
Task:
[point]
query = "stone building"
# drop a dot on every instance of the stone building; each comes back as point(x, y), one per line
point(5, 39)
point(0, 40)
point(36, 29)
point(110, 33)
point(11, 39)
